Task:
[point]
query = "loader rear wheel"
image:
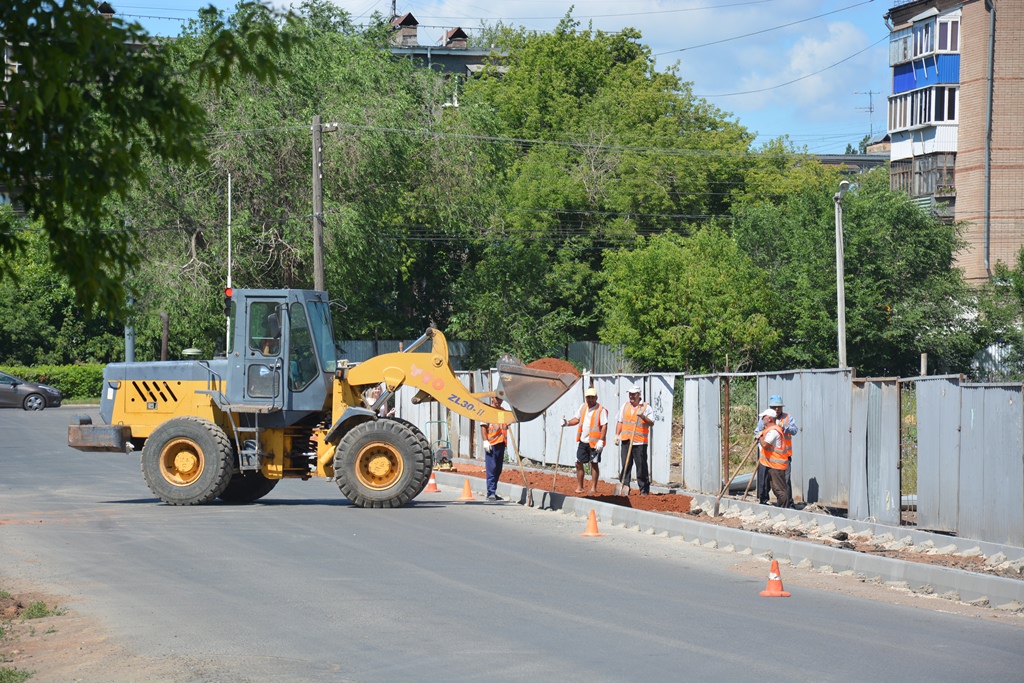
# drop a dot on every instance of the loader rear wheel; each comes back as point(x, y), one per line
point(245, 488)
point(382, 463)
point(187, 461)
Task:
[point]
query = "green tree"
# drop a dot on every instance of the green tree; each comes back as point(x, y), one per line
point(689, 303)
point(903, 294)
point(92, 98)
point(594, 147)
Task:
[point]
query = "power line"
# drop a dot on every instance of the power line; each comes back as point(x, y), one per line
point(765, 30)
point(795, 80)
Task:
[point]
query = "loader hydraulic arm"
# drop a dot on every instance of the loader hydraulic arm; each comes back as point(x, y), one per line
point(431, 374)
point(528, 389)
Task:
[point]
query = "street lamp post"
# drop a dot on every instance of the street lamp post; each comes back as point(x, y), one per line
point(840, 283)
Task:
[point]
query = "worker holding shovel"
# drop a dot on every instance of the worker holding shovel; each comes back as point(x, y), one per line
point(632, 431)
point(495, 437)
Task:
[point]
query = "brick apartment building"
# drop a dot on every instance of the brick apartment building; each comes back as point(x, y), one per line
point(956, 119)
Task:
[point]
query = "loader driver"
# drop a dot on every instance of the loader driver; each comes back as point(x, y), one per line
point(594, 417)
point(494, 438)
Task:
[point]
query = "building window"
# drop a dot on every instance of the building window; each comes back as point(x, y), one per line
point(924, 38)
point(923, 107)
point(945, 103)
point(899, 175)
point(932, 175)
point(949, 35)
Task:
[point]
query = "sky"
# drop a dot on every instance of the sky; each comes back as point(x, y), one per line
point(811, 70)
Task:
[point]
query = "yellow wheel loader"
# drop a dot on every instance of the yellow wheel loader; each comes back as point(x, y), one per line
point(283, 405)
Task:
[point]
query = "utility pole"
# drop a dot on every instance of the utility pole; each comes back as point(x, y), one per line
point(318, 206)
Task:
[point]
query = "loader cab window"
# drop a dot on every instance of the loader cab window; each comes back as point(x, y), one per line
point(302, 367)
point(264, 328)
point(323, 334)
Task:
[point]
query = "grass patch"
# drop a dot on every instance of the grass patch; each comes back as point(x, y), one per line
point(4, 594)
point(39, 610)
point(9, 675)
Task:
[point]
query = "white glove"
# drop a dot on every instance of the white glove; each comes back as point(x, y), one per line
point(617, 441)
point(599, 446)
point(487, 447)
point(564, 422)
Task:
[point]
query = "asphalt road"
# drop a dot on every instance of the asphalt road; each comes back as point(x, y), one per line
point(304, 587)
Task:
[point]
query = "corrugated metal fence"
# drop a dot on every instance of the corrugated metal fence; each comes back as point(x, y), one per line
point(970, 441)
point(970, 459)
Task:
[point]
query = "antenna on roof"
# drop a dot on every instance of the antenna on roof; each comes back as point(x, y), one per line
point(870, 109)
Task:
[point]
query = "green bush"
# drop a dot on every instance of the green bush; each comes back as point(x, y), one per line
point(74, 381)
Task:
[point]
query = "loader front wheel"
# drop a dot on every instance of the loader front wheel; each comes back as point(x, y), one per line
point(382, 463)
point(187, 461)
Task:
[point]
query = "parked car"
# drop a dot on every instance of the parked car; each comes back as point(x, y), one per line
point(17, 393)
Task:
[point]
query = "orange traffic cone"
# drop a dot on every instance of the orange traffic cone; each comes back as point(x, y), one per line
point(774, 589)
point(432, 485)
point(591, 525)
point(467, 493)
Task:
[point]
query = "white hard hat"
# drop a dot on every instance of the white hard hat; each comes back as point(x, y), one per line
point(768, 412)
point(590, 392)
point(635, 389)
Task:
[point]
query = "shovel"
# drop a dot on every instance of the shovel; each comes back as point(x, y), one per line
point(622, 489)
point(557, 453)
point(529, 492)
point(714, 513)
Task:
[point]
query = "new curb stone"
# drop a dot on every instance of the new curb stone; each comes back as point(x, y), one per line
point(971, 587)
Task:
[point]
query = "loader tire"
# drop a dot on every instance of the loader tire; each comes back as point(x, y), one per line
point(187, 461)
point(426, 447)
point(382, 463)
point(245, 488)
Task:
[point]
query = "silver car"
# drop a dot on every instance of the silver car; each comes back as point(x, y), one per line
point(17, 393)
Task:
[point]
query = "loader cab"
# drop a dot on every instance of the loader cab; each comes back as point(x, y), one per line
point(283, 352)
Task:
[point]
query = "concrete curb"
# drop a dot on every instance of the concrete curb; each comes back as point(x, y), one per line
point(953, 584)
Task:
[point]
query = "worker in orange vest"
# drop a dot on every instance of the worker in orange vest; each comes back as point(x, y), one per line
point(495, 436)
point(789, 429)
point(590, 436)
point(632, 431)
point(773, 456)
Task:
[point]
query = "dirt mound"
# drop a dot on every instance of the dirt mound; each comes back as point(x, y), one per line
point(554, 365)
point(10, 608)
point(566, 483)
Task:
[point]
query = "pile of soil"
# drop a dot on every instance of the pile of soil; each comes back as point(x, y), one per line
point(565, 483)
point(10, 608)
point(554, 365)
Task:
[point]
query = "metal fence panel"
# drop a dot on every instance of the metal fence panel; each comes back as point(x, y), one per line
point(991, 467)
point(702, 434)
point(599, 359)
point(820, 402)
point(938, 453)
point(661, 392)
point(874, 451)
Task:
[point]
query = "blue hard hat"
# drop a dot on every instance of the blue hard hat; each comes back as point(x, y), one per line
point(774, 401)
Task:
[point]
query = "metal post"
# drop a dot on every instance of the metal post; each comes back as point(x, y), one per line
point(318, 207)
point(227, 323)
point(840, 277)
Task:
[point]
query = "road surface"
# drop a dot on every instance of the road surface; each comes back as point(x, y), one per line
point(304, 587)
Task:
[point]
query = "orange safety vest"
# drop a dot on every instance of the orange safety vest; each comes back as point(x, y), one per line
point(630, 423)
point(773, 457)
point(594, 430)
point(787, 439)
point(495, 434)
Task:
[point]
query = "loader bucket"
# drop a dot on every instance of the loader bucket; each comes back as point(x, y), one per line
point(530, 390)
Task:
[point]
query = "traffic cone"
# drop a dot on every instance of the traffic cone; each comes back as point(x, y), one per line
point(774, 589)
point(432, 485)
point(467, 493)
point(591, 525)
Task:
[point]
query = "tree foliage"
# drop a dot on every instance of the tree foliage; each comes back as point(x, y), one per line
point(571, 192)
point(689, 304)
point(90, 100)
